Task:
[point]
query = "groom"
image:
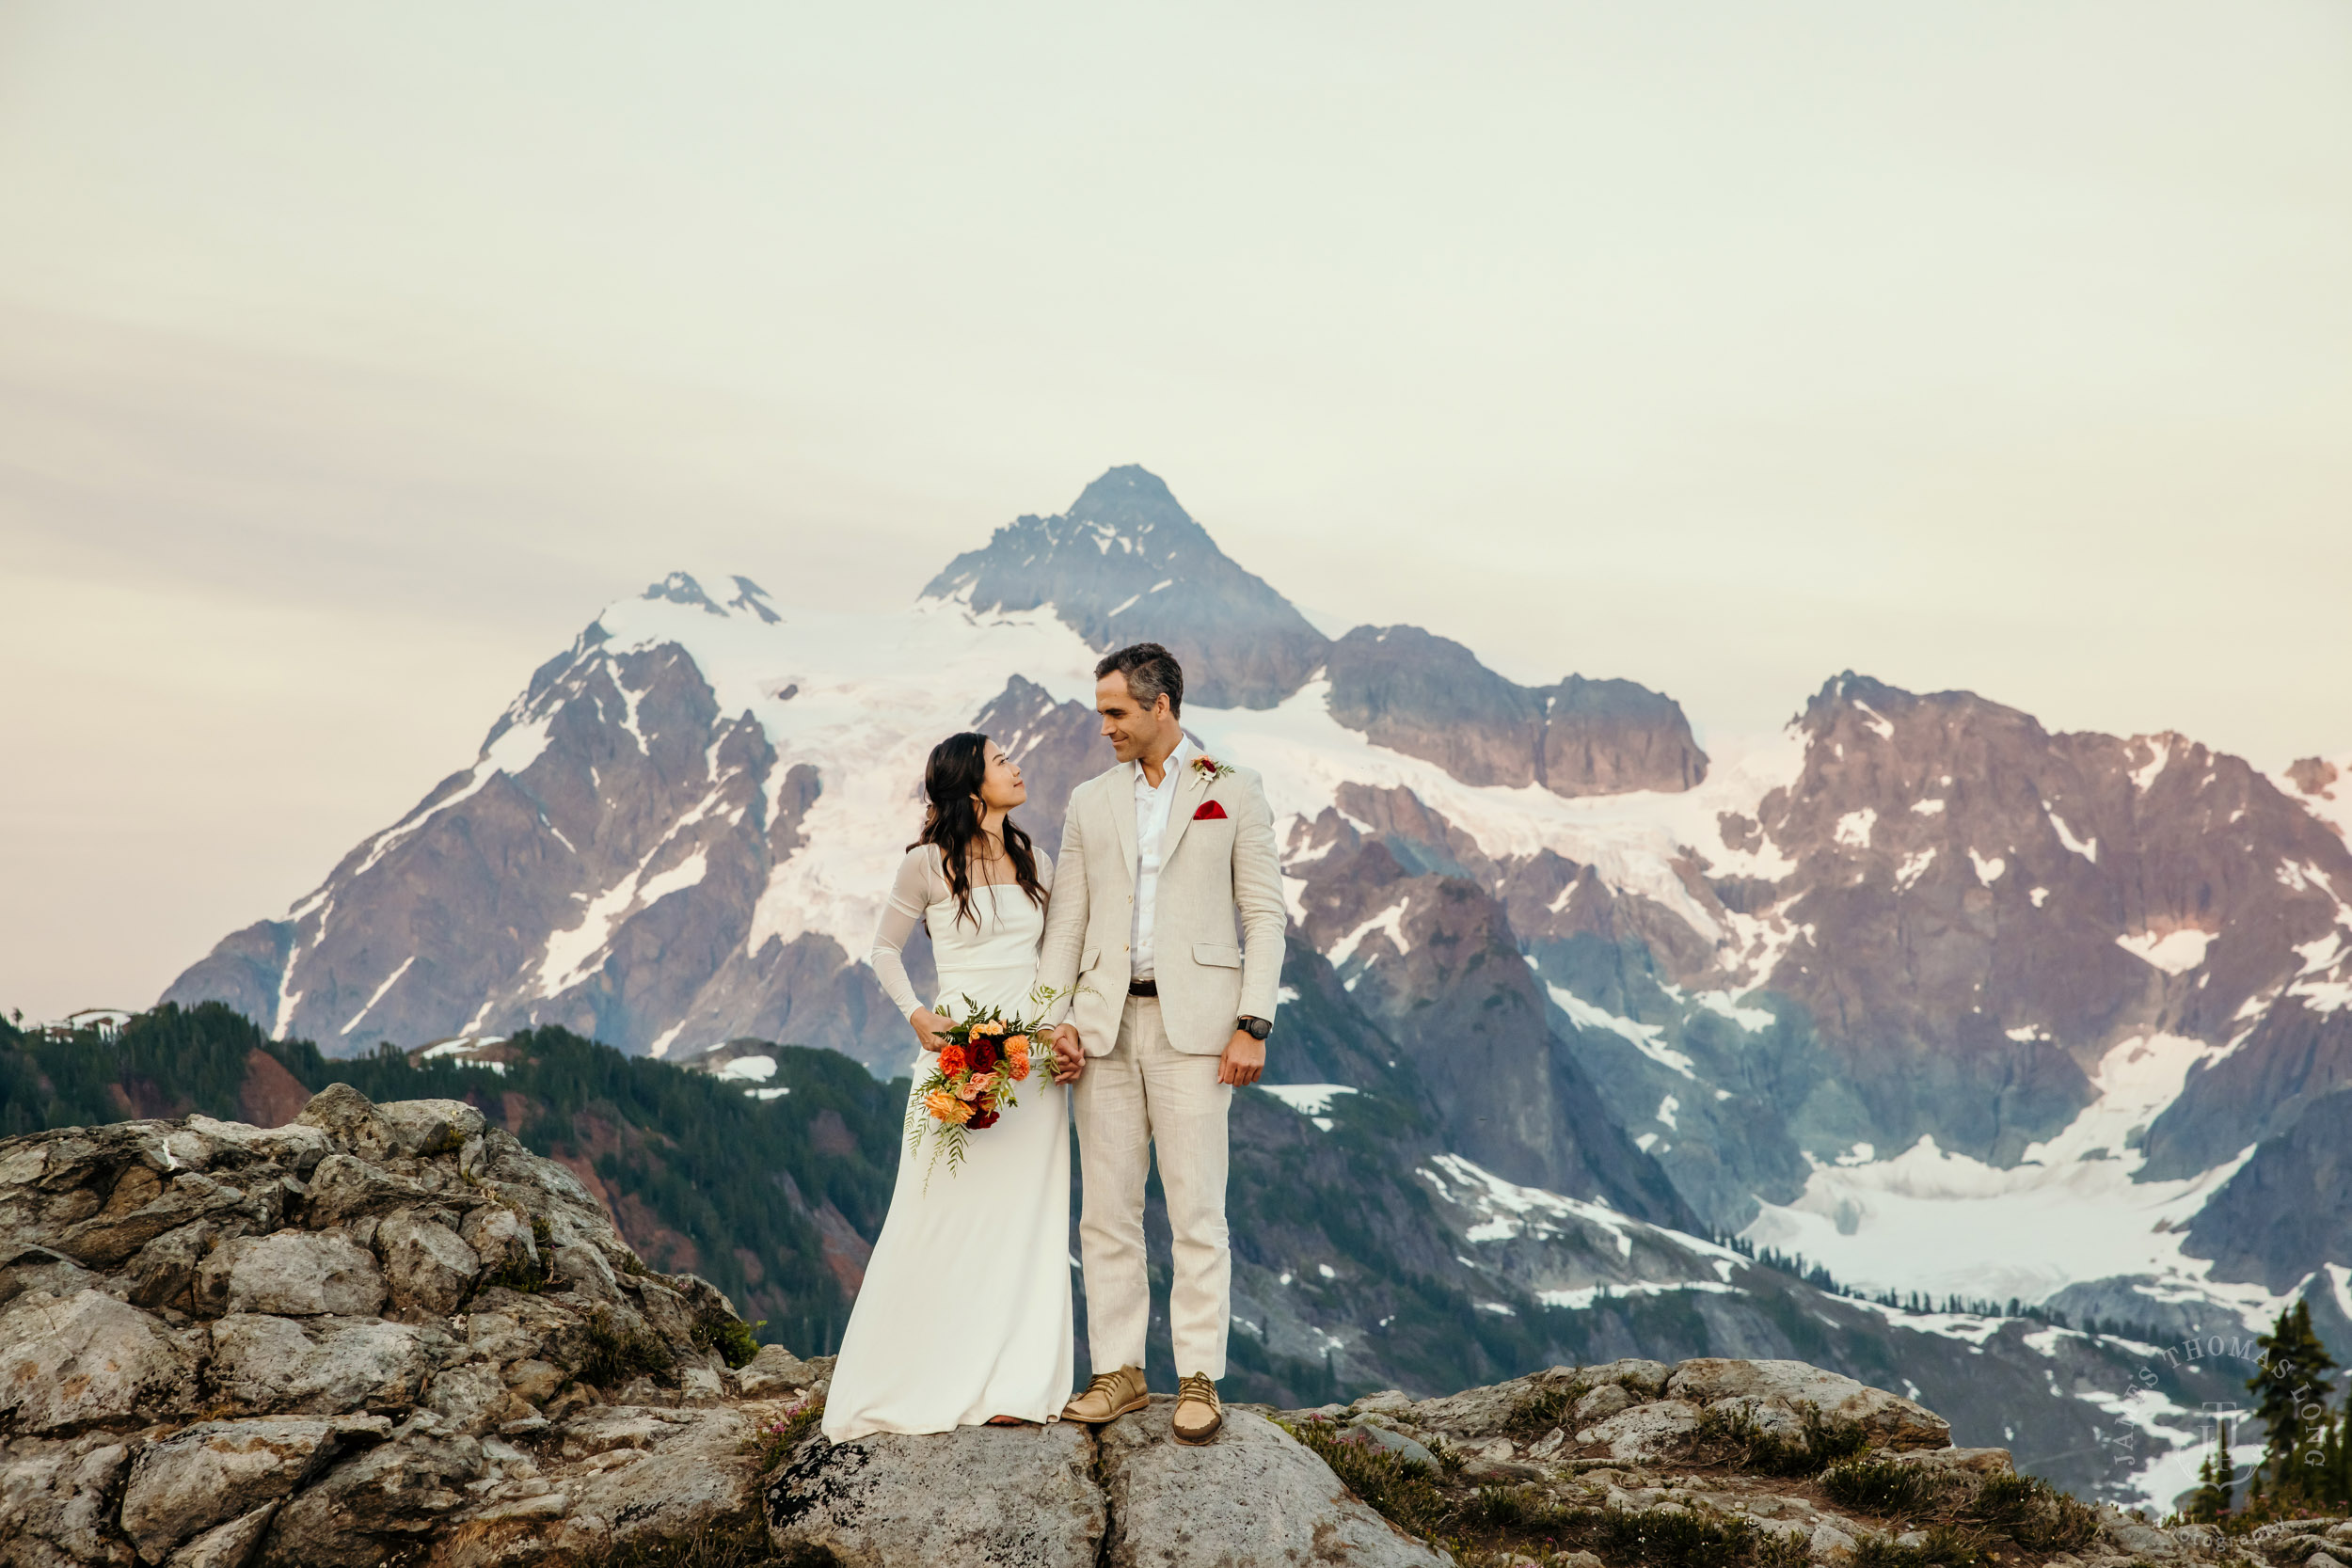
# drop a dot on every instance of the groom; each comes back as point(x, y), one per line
point(1158, 855)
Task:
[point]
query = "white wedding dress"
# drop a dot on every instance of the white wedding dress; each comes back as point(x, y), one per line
point(965, 1312)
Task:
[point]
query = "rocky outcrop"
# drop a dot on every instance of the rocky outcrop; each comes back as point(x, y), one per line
point(380, 1333)
point(1429, 697)
point(230, 1347)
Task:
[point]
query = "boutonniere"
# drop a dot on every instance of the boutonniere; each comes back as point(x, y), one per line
point(1211, 769)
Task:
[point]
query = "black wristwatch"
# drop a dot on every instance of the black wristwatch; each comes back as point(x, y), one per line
point(1256, 1028)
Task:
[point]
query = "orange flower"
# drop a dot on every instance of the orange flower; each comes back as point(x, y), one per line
point(952, 1059)
point(1016, 1042)
point(1017, 1066)
point(948, 1108)
point(989, 1026)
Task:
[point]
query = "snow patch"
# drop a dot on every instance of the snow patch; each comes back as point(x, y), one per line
point(1308, 1100)
point(1649, 1038)
point(1947, 1223)
point(389, 981)
point(2087, 848)
point(1854, 829)
point(1989, 869)
point(2175, 953)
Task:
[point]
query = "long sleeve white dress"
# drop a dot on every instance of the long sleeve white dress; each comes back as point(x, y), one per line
point(966, 1312)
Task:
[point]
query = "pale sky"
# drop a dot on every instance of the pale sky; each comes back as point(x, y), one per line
point(353, 357)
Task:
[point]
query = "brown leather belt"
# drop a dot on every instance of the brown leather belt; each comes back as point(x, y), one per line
point(1143, 987)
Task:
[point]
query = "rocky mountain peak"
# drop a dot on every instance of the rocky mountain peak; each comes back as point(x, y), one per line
point(746, 595)
point(1126, 564)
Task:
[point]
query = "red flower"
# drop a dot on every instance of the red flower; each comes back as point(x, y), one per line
point(985, 1054)
point(985, 1118)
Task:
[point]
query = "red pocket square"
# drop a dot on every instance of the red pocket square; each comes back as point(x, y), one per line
point(1210, 812)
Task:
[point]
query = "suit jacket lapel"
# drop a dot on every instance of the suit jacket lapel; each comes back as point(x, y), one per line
point(1191, 789)
point(1120, 795)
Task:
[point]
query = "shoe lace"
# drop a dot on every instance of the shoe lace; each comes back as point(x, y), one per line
point(1199, 1386)
point(1101, 1381)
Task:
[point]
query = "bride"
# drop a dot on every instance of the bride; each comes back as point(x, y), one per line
point(965, 1313)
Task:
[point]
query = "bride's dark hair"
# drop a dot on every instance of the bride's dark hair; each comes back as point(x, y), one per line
point(951, 819)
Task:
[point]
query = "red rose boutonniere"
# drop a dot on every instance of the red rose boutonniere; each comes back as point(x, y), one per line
point(1211, 769)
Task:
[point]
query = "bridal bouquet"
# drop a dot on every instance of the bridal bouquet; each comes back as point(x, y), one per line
point(971, 1081)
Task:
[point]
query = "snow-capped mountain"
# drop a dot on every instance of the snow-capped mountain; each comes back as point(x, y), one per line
point(1915, 987)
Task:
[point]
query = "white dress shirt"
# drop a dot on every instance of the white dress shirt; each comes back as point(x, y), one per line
point(1152, 806)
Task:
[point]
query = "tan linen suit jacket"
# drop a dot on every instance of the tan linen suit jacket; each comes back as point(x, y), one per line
point(1209, 870)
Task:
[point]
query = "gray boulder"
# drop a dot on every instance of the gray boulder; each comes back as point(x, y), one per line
point(698, 1475)
point(387, 1503)
point(774, 1372)
point(216, 1470)
point(1891, 1420)
point(53, 1501)
point(319, 1365)
point(1600, 1404)
point(1645, 1430)
point(351, 1122)
point(1251, 1495)
point(37, 1268)
point(294, 1274)
point(229, 1545)
point(346, 1188)
point(424, 1128)
point(428, 1269)
point(1011, 1494)
point(142, 1207)
point(85, 1360)
point(500, 1238)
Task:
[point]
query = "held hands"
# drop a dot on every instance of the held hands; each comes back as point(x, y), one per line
point(1243, 1061)
point(929, 1028)
point(1070, 1057)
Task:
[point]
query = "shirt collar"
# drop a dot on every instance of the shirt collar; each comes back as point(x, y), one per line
point(1177, 759)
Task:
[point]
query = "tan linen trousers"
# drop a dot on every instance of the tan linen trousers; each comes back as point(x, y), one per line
point(1146, 1092)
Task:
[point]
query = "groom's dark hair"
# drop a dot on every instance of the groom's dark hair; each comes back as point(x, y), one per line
point(1152, 673)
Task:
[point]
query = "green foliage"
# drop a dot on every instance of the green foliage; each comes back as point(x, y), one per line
point(2031, 1512)
point(1539, 1410)
point(734, 1340)
point(1691, 1540)
point(779, 1437)
point(2303, 1459)
point(1403, 1491)
point(2216, 1479)
point(1882, 1486)
point(519, 1274)
point(1471, 1524)
point(1963, 1517)
point(1733, 1437)
point(165, 1063)
point(618, 1353)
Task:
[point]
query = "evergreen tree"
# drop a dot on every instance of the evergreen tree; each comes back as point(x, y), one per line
point(2290, 1389)
point(2211, 1500)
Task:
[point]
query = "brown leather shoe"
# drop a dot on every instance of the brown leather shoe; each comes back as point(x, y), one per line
point(1108, 1397)
point(1198, 1411)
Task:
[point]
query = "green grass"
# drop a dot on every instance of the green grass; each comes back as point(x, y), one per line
point(736, 1341)
point(618, 1353)
point(1732, 1437)
point(1541, 1409)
